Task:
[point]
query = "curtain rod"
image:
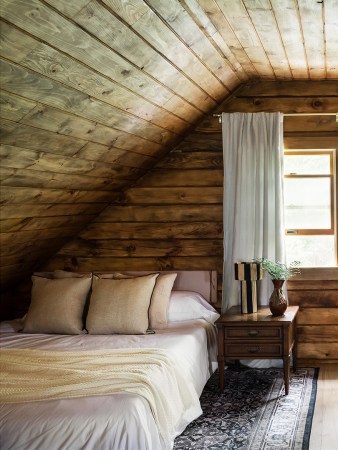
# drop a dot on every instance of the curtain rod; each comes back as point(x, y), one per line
point(291, 115)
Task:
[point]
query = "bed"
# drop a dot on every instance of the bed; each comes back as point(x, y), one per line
point(129, 392)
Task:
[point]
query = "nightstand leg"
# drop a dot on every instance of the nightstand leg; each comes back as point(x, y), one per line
point(286, 361)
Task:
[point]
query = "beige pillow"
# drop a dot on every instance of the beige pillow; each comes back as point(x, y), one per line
point(120, 306)
point(158, 310)
point(57, 305)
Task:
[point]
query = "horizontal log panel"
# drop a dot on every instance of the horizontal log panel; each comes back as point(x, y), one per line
point(57, 121)
point(23, 195)
point(21, 158)
point(164, 178)
point(51, 180)
point(199, 137)
point(193, 160)
point(315, 274)
point(310, 123)
point(142, 248)
point(28, 236)
point(318, 123)
point(59, 66)
point(38, 244)
point(43, 60)
point(112, 155)
point(134, 48)
point(18, 80)
point(174, 230)
point(319, 351)
point(108, 263)
point(287, 105)
point(297, 88)
point(322, 285)
point(13, 107)
point(166, 213)
point(192, 195)
point(317, 316)
point(19, 135)
point(311, 134)
point(320, 333)
point(306, 362)
point(314, 298)
point(202, 146)
point(210, 124)
point(41, 223)
point(24, 257)
point(22, 211)
point(310, 142)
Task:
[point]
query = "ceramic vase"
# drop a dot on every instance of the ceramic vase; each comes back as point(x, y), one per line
point(277, 302)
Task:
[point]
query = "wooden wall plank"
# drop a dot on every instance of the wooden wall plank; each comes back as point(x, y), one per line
point(108, 263)
point(17, 79)
point(164, 196)
point(21, 211)
point(318, 351)
point(318, 316)
point(264, 21)
point(42, 223)
point(51, 180)
point(161, 213)
point(180, 177)
point(20, 195)
point(178, 230)
point(49, 62)
point(183, 25)
point(139, 248)
point(317, 333)
point(288, 105)
point(68, 38)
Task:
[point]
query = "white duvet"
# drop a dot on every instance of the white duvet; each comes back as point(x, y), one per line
point(121, 421)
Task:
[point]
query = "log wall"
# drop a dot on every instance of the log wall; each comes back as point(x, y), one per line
point(172, 219)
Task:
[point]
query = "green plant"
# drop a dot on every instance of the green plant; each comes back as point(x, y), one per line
point(278, 270)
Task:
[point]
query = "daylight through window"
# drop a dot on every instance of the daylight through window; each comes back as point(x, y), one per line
point(309, 202)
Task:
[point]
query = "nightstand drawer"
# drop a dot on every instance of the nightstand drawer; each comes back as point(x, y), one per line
point(252, 332)
point(238, 349)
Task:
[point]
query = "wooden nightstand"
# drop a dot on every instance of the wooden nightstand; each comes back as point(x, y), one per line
point(257, 336)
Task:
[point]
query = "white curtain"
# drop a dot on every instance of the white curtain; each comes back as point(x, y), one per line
point(253, 196)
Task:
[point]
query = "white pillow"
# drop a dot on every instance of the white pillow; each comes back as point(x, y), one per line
point(188, 305)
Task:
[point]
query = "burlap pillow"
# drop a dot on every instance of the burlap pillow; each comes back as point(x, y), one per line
point(120, 305)
point(57, 305)
point(158, 310)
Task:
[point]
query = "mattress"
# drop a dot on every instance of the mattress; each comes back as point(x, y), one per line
point(121, 421)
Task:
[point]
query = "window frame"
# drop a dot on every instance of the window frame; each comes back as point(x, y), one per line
point(333, 194)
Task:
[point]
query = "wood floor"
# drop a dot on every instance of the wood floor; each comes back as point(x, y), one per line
point(324, 433)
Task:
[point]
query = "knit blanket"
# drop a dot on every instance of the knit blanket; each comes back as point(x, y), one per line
point(36, 375)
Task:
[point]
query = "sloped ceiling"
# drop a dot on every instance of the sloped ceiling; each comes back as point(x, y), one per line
point(94, 92)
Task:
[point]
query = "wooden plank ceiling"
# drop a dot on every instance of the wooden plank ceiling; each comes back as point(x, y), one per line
point(94, 92)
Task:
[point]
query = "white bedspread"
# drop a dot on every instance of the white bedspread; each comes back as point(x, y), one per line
point(122, 421)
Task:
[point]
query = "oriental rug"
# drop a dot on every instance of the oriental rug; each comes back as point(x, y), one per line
point(253, 413)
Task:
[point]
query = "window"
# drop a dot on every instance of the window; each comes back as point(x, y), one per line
point(309, 202)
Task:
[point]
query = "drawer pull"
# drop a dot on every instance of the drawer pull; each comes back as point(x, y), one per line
point(253, 349)
point(253, 333)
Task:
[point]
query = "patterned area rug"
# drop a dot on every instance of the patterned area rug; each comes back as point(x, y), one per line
point(253, 413)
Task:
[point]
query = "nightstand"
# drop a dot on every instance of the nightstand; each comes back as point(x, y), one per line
point(257, 336)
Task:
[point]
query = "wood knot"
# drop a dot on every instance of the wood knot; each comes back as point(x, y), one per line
point(317, 104)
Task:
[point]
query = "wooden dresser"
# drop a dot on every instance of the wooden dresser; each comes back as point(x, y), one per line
point(257, 336)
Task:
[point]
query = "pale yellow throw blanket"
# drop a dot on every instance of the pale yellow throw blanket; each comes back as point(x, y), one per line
point(31, 375)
